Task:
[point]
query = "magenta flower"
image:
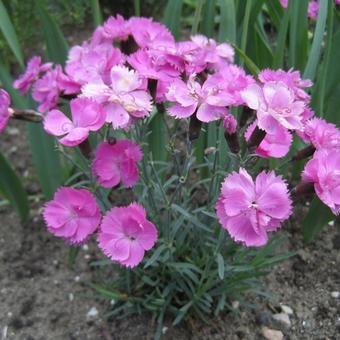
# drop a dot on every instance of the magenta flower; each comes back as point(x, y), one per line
point(115, 163)
point(73, 214)
point(124, 100)
point(34, 68)
point(284, 3)
point(87, 115)
point(321, 134)
point(191, 97)
point(125, 234)
point(116, 28)
point(275, 145)
point(275, 105)
point(313, 9)
point(323, 170)
point(5, 102)
point(249, 210)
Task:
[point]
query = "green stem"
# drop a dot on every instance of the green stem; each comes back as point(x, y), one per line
point(197, 16)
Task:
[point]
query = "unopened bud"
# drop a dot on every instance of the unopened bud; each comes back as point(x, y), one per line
point(111, 140)
point(194, 128)
point(85, 148)
point(256, 138)
point(304, 189)
point(245, 115)
point(27, 115)
point(304, 153)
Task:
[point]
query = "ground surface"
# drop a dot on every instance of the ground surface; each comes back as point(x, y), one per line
point(41, 297)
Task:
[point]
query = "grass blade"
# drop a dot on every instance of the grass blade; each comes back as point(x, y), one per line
point(227, 29)
point(96, 13)
point(172, 16)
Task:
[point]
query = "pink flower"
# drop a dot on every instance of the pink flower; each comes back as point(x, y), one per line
point(73, 214)
point(324, 171)
point(34, 68)
point(124, 100)
point(5, 102)
point(148, 33)
point(275, 145)
point(284, 3)
point(321, 134)
point(313, 9)
point(116, 28)
point(230, 124)
point(88, 63)
point(116, 163)
point(191, 97)
point(87, 115)
point(125, 234)
point(249, 210)
point(276, 106)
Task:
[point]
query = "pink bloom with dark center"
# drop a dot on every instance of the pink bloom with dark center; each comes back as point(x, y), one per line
point(5, 102)
point(191, 97)
point(87, 115)
point(33, 70)
point(124, 99)
point(115, 163)
point(248, 210)
point(323, 170)
point(73, 214)
point(276, 106)
point(275, 145)
point(321, 134)
point(125, 234)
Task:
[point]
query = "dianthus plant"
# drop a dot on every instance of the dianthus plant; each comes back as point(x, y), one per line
point(177, 235)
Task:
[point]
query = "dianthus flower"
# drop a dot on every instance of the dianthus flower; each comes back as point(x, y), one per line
point(116, 28)
point(124, 99)
point(115, 163)
point(323, 170)
point(275, 145)
point(191, 97)
point(276, 106)
point(125, 234)
point(248, 210)
point(320, 134)
point(87, 115)
point(5, 102)
point(313, 9)
point(32, 72)
point(73, 214)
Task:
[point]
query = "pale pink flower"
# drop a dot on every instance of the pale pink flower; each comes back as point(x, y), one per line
point(73, 214)
point(88, 63)
point(115, 163)
point(116, 28)
point(276, 106)
point(87, 115)
point(5, 102)
point(249, 210)
point(32, 72)
point(125, 234)
point(191, 97)
point(321, 134)
point(323, 170)
point(275, 145)
point(313, 9)
point(124, 99)
point(284, 3)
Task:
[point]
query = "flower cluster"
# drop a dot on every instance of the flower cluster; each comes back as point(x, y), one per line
point(115, 78)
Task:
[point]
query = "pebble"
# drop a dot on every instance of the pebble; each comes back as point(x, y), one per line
point(112, 302)
point(235, 304)
point(164, 329)
point(331, 223)
point(283, 319)
point(287, 310)
point(77, 279)
point(87, 257)
point(71, 297)
point(92, 313)
point(271, 334)
point(335, 294)
point(85, 247)
point(12, 131)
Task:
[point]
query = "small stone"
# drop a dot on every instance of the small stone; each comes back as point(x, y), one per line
point(9, 314)
point(112, 302)
point(235, 304)
point(55, 262)
point(335, 294)
point(287, 310)
point(71, 297)
point(92, 313)
point(87, 257)
point(271, 334)
point(12, 131)
point(85, 247)
point(283, 319)
point(331, 223)
point(164, 329)
point(77, 279)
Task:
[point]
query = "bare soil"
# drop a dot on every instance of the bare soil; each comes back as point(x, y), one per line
point(43, 298)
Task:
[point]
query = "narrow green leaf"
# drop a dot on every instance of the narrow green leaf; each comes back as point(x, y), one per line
point(182, 312)
point(227, 29)
point(317, 217)
point(72, 255)
point(253, 68)
point(315, 51)
point(220, 264)
point(172, 16)
point(281, 41)
point(96, 13)
point(244, 36)
point(136, 5)
point(208, 20)
point(57, 47)
point(12, 189)
point(8, 31)
point(197, 16)
point(157, 138)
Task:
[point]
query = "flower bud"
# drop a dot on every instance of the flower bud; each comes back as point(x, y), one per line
point(230, 133)
point(304, 153)
point(194, 128)
point(256, 138)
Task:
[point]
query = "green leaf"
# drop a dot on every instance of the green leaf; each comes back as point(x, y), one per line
point(227, 29)
point(8, 31)
point(317, 217)
point(315, 51)
point(96, 13)
point(220, 264)
point(182, 312)
point(172, 16)
point(157, 138)
point(57, 47)
point(72, 255)
point(208, 20)
point(253, 68)
point(11, 187)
